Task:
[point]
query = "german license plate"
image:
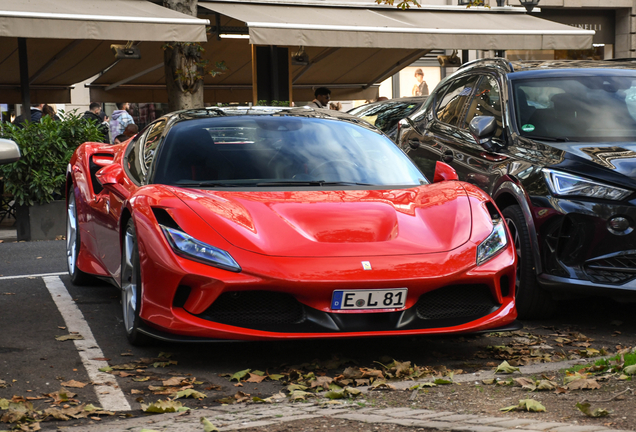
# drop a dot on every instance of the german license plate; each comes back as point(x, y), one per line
point(369, 299)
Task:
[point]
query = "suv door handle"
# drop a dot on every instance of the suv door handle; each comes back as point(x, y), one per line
point(448, 156)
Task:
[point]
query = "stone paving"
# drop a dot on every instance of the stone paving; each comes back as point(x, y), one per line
point(240, 416)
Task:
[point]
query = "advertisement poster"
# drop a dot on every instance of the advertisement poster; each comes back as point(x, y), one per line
point(418, 81)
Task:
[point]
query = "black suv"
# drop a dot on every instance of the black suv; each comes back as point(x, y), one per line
point(554, 143)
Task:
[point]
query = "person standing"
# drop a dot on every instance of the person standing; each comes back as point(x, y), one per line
point(323, 95)
point(119, 120)
point(35, 115)
point(421, 88)
point(94, 113)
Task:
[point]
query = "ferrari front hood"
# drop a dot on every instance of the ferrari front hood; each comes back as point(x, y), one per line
point(425, 219)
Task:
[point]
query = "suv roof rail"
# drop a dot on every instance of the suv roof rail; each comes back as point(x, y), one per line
point(502, 62)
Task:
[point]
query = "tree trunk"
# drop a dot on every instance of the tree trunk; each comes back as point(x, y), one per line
point(182, 63)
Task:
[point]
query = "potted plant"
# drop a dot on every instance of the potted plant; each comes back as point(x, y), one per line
point(37, 180)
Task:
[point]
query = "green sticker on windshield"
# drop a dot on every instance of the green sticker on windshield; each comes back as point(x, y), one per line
point(527, 128)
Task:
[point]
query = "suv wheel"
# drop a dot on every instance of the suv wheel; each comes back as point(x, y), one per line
point(532, 301)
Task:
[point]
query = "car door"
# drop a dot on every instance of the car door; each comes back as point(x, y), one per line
point(471, 161)
point(435, 129)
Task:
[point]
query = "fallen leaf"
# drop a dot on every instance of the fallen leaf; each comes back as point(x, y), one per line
point(74, 384)
point(505, 367)
point(238, 376)
point(164, 406)
point(583, 384)
point(630, 370)
point(529, 405)
point(189, 393)
point(208, 426)
point(174, 381)
point(585, 409)
point(254, 378)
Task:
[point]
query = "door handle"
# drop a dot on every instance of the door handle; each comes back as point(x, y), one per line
point(448, 156)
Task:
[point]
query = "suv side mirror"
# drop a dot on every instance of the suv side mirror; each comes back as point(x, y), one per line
point(483, 128)
point(9, 151)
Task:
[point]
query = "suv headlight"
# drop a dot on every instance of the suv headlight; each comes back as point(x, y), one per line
point(561, 183)
point(494, 243)
point(186, 245)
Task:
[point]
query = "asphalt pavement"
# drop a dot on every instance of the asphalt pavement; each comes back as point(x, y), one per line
point(39, 304)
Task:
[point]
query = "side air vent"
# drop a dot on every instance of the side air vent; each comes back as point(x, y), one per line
point(164, 218)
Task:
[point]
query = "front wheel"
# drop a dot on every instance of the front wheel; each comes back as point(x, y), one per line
point(532, 301)
point(131, 286)
point(73, 243)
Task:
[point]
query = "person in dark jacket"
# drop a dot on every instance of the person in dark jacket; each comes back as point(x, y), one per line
point(93, 113)
point(35, 115)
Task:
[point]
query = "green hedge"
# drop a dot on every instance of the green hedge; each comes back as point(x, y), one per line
point(46, 148)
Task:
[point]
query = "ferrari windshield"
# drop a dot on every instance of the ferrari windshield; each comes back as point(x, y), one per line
point(279, 151)
point(579, 108)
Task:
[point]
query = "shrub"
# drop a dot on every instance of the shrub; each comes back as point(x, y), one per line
point(46, 148)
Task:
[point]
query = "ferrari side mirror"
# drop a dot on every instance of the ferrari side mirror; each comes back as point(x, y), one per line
point(483, 129)
point(110, 177)
point(444, 172)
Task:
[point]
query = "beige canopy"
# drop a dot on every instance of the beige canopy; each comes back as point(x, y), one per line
point(350, 48)
point(68, 41)
point(365, 26)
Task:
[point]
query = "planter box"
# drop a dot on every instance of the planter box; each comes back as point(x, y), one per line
point(41, 221)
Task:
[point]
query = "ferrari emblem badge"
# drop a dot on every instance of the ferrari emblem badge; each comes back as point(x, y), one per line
point(366, 265)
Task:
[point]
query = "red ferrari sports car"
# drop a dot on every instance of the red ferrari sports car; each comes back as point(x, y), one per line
point(279, 223)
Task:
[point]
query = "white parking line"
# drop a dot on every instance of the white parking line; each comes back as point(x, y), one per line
point(33, 275)
point(108, 391)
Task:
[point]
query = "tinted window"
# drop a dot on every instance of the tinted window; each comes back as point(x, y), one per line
point(150, 142)
point(386, 115)
point(134, 159)
point(591, 108)
point(257, 150)
point(451, 105)
point(486, 102)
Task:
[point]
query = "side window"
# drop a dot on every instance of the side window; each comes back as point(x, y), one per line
point(142, 149)
point(151, 141)
point(451, 105)
point(486, 102)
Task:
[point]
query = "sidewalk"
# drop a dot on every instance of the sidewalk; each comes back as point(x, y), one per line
point(260, 417)
point(266, 417)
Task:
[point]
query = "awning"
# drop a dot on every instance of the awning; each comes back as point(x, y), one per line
point(134, 20)
point(389, 27)
point(68, 41)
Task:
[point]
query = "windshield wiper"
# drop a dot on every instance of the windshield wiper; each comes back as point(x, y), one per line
point(542, 138)
point(211, 183)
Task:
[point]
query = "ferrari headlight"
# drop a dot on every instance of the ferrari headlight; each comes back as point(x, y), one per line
point(561, 183)
point(494, 243)
point(184, 244)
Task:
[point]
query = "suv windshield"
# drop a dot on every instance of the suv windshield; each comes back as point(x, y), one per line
point(278, 151)
point(589, 108)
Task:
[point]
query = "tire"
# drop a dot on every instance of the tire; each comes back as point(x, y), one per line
point(532, 301)
point(73, 243)
point(131, 287)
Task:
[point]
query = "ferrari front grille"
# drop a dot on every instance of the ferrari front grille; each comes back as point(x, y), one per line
point(254, 308)
point(455, 302)
point(614, 270)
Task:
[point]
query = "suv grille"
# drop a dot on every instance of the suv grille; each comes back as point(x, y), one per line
point(617, 269)
point(455, 302)
point(254, 308)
